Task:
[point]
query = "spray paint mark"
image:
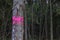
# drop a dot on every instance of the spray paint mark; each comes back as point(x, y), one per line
point(17, 20)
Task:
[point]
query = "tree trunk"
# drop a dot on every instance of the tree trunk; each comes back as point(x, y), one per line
point(51, 23)
point(17, 19)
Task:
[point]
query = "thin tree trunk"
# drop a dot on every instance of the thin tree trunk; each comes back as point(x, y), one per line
point(51, 29)
point(32, 23)
point(26, 27)
point(46, 20)
point(26, 38)
point(40, 34)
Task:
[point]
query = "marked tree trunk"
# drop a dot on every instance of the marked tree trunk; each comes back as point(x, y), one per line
point(17, 20)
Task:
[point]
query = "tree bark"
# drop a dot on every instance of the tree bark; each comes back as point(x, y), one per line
point(51, 23)
point(17, 28)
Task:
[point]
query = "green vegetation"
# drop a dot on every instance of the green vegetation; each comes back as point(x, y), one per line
point(39, 10)
point(5, 19)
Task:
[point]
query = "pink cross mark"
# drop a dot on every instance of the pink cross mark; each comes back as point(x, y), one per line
point(17, 20)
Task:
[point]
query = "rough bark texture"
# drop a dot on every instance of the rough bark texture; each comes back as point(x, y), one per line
point(17, 28)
